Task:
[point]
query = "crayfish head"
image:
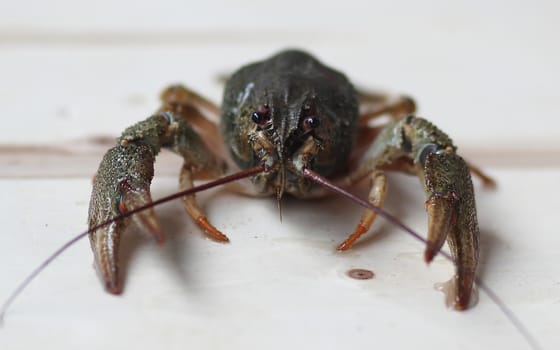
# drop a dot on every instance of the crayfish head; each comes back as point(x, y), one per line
point(287, 113)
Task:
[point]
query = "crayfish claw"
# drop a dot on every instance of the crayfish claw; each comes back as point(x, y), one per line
point(104, 243)
point(448, 187)
point(120, 185)
point(454, 216)
point(442, 212)
point(147, 219)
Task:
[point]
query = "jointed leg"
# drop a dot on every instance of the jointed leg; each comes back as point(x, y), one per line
point(195, 212)
point(373, 105)
point(376, 197)
point(201, 114)
point(187, 104)
point(487, 180)
point(175, 97)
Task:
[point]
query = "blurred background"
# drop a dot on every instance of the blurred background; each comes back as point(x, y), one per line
point(490, 66)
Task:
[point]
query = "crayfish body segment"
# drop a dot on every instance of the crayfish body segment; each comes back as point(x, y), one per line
point(289, 113)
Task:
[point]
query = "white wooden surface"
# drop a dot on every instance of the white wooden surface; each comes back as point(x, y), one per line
point(75, 74)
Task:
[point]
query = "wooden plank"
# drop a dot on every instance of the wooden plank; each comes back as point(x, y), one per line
point(277, 284)
point(82, 157)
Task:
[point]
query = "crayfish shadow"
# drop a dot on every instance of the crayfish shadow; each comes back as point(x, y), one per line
point(489, 244)
point(172, 254)
point(328, 220)
point(332, 218)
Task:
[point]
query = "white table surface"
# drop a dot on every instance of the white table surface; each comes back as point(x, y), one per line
point(73, 75)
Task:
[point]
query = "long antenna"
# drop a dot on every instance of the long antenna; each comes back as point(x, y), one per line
point(393, 220)
point(223, 180)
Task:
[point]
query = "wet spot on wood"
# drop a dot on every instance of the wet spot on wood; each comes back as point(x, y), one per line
point(360, 274)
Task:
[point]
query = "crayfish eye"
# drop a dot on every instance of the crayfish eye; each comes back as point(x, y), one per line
point(258, 118)
point(262, 116)
point(311, 123)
